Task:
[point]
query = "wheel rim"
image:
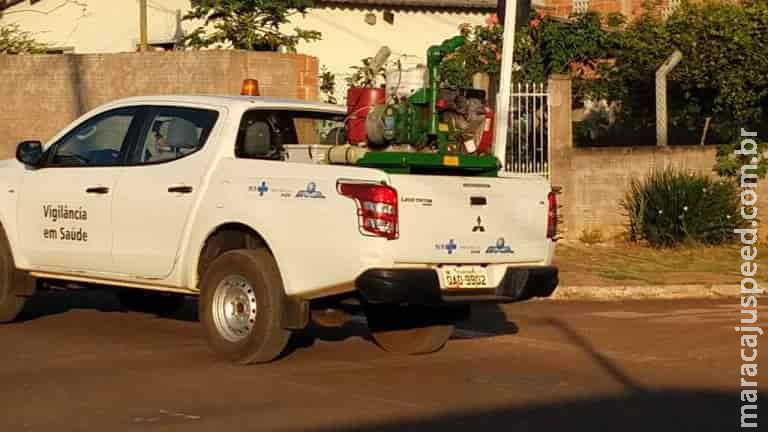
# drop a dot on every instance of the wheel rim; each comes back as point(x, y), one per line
point(234, 308)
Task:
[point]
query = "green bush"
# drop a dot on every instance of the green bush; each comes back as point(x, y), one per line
point(672, 207)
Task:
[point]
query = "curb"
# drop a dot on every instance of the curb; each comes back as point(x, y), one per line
point(636, 292)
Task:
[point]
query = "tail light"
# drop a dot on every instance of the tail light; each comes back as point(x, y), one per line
point(552, 216)
point(376, 208)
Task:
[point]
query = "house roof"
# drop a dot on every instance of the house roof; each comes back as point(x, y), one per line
point(430, 4)
point(413, 4)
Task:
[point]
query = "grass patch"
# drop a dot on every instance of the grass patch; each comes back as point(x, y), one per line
point(630, 264)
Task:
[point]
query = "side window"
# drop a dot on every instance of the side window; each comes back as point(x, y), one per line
point(100, 141)
point(263, 133)
point(260, 136)
point(173, 132)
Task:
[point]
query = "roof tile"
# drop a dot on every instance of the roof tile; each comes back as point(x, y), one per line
point(451, 4)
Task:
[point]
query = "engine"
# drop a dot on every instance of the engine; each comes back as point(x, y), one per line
point(420, 117)
point(464, 123)
point(397, 127)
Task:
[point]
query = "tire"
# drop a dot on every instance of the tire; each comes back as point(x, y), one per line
point(11, 304)
point(163, 304)
point(241, 306)
point(409, 329)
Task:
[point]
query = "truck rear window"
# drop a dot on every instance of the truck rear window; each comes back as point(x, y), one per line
point(263, 133)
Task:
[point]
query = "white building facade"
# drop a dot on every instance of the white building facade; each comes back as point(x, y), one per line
point(351, 29)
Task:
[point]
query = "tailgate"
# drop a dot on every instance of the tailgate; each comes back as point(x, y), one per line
point(471, 220)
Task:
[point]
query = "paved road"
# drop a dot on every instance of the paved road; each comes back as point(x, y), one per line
point(79, 363)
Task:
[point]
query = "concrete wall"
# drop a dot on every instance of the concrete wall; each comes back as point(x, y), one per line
point(39, 94)
point(595, 180)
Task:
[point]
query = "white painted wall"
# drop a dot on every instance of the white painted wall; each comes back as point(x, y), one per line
point(347, 38)
point(105, 26)
point(95, 26)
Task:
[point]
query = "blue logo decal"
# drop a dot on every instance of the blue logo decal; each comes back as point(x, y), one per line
point(499, 247)
point(310, 192)
point(450, 246)
point(262, 188)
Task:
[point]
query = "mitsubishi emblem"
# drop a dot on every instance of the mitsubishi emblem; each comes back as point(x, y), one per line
point(479, 227)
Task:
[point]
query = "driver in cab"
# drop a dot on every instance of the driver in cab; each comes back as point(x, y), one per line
point(170, 139)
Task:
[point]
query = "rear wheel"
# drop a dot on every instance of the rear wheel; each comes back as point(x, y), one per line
point(409, 329)
point(241, 306)
point(11, 304)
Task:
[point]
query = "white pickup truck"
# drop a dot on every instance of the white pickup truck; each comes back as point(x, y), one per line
point(171, 196)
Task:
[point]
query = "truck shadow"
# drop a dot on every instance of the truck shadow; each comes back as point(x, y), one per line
point(56, 301)
point(486, 320)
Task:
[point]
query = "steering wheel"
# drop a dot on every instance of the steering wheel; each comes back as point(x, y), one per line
point(114, 154)
point(75, 156)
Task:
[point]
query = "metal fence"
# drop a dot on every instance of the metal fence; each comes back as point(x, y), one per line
point(527, 151)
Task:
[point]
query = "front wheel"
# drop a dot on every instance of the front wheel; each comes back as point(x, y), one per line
point(11, 304)
point(241, 306)
point(409, 329)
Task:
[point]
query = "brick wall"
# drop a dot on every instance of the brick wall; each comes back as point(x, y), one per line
point(595, 180)
point(563, 8)
point(39, 94)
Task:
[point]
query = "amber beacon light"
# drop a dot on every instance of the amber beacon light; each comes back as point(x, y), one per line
point(250, 87)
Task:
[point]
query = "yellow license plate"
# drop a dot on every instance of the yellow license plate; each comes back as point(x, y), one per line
point(465, 277)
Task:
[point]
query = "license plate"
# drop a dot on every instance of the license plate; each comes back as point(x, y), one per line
point(465, 277)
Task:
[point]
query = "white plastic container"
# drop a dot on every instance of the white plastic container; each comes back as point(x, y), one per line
point(404, 82)
point(306, 153)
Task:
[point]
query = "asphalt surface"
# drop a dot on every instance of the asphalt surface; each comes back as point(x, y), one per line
point(77, 362)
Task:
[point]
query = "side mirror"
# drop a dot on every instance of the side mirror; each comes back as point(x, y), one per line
point(30, 153)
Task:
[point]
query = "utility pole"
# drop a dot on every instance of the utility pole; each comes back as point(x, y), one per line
point(143, 25)
point(661, 96)
point(505, 83)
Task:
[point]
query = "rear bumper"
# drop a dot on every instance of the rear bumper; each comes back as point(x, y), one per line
point(422, 286)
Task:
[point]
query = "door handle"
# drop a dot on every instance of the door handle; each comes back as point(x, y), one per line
point(180, 189)
point(97, 190)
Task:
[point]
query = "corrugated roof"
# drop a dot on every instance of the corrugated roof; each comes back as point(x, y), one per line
point(433, 4)
point(448, 4)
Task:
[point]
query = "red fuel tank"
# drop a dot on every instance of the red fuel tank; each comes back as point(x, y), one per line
point(486, 140)
point(360, 100)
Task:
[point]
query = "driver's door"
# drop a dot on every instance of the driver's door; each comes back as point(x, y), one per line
point(65, 206)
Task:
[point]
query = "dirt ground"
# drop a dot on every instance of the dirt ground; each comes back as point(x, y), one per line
point(77, 362)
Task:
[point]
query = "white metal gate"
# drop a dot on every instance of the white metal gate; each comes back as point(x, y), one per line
point(527, 146)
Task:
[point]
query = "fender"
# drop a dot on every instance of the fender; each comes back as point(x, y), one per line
point(8, 223)
point(196, 245)
point(25, 284)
